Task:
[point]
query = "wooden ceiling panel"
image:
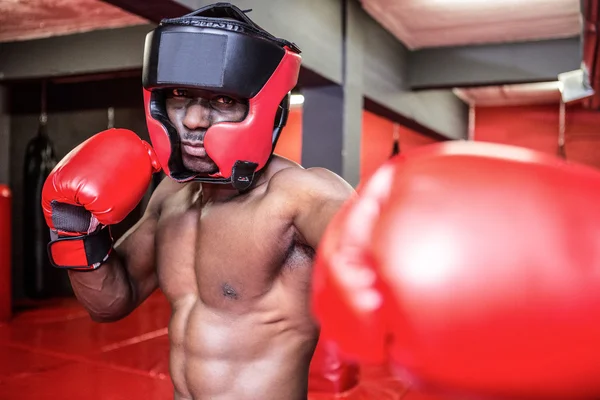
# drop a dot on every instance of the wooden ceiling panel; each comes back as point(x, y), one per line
point(34, 19)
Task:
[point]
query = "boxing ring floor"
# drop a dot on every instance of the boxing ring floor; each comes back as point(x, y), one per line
point(53, 350)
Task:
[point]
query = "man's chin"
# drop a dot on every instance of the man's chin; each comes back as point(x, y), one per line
point(200, 167)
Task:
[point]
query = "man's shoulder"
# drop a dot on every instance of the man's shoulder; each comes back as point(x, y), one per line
point(308, 198)
point(304, 177)
point(296, 181)
point(164, 190)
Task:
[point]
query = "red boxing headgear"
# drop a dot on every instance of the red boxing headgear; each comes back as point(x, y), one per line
point(236, 57)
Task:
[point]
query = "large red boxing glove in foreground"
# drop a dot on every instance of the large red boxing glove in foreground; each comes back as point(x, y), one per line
point(333, 377)
point(96, 185)
point(329, 372)
point(474, 269)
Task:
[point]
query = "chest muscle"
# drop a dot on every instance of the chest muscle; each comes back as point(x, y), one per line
point(228, 254)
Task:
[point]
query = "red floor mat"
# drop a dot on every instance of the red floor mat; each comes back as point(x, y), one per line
point(53, 350)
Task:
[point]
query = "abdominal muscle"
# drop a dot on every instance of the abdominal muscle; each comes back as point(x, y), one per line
point(257, 354)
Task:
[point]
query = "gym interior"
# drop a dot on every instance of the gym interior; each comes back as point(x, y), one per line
point(379, 79)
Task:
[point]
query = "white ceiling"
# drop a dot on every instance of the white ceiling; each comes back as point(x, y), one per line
point(436, 23)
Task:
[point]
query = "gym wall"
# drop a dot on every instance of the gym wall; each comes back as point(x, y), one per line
point(289, 144)
point(537, 127)
point(377, 140)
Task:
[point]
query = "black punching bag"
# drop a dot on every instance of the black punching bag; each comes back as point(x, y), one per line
point(41, 279)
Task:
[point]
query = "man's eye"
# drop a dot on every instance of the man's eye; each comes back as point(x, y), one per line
point(179, 93)
point(224, 100)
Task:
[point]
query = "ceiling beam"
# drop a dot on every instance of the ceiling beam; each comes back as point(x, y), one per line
point(95, 52)
point(152, 10)
point(88, 56)
point(497, 64)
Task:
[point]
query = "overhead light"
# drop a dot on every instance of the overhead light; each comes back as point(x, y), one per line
point(296, 99)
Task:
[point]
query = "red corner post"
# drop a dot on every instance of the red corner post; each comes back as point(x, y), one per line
point(5, 254)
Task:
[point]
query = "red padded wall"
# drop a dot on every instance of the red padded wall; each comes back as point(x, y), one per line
point(536, 127)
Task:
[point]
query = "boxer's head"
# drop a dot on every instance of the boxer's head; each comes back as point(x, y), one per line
point(216, 92)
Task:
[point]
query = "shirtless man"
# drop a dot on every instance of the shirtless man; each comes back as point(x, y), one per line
point(229, 234)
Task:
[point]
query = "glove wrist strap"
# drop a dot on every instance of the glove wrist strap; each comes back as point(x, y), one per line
point(85, 252)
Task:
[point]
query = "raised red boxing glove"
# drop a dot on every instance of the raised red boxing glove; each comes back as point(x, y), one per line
point(479, 275)
point(94, 186)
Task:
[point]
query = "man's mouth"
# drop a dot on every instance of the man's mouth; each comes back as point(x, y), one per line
point(195, 149)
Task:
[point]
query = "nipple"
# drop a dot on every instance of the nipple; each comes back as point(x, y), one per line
point(229, 291)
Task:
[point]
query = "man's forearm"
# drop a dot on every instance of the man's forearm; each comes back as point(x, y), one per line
point(106, 293)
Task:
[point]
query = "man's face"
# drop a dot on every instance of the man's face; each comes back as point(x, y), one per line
point(192, 112)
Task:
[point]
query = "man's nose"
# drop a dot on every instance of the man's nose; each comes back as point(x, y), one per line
point(197, 116)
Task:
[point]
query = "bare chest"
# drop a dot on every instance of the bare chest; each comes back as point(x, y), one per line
point(228, 254)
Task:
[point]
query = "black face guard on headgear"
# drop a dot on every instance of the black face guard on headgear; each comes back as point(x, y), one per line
point(238, 58)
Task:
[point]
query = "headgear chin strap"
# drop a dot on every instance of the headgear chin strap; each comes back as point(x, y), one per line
point(236, 57)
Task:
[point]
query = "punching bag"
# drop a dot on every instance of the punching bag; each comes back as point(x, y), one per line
point(5, 253)
point(41, 279)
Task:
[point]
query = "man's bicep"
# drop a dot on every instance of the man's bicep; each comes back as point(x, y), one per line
point(137, 249)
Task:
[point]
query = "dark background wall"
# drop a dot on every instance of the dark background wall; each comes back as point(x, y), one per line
point(76, 111)
point(4, 136)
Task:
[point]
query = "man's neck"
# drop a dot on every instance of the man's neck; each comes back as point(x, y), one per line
point(213, 192)
point(216, 193)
